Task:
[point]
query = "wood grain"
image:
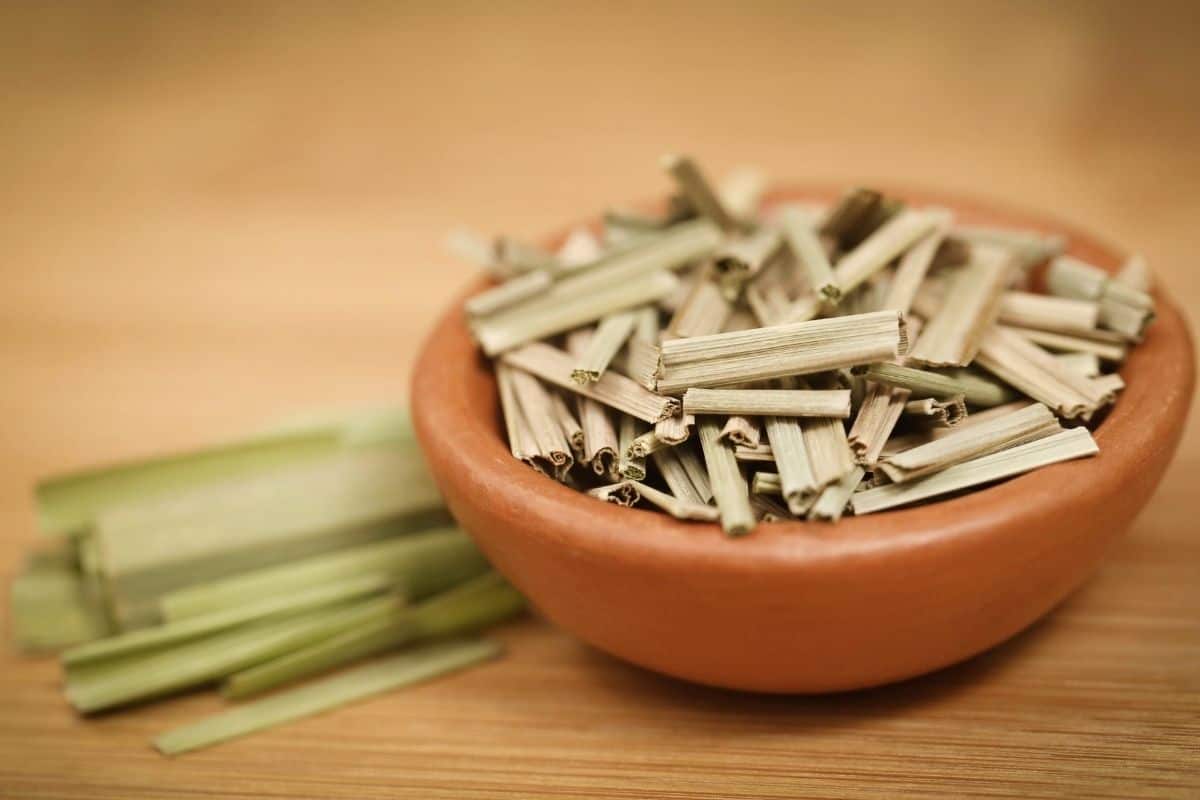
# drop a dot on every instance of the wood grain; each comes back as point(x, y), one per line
point(211, 214)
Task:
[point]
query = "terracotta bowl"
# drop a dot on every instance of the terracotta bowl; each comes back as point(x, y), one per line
point(805, 607)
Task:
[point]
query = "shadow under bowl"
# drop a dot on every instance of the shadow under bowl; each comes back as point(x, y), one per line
point(800, 606)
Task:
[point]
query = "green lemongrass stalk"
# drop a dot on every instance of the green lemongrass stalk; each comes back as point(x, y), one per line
point(422, 564)
point(482, 601)
point(403, 669)
point(107, 684)
point(189, 628)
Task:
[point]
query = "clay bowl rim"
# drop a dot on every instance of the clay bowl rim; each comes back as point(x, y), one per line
point(476, 449)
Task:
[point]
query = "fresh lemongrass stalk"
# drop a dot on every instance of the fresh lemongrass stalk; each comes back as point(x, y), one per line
point(727, 359)
point(1047, 313)
point(693, 185)
point(704, 309)
point(570, 427)
point(69, 504)
point(889, 241)
point(1136, 274)
point(915, 264)
point(599, 434)
point(923, 383)
point(641, 362)
point(96, 687)
point(422, 564)
point(624, 493)
point(877, 417)
point(1106, 345)
point(807, 249)
point(674, 430)
point(1032, 370)
point(554, 366)
point(404, 669)
point(850, 213)
point(630, 465)
point(742, 259)
point(677, 507)
point(773, 402)
point(728, 484)
point(51, 607)
point(791, 459)
point(646, 443)
point(762, 453)
point(829, 453)
point(580, 247)
point(1012, 430)
point(509, 293)
point(937, 413)
point(741, 192)
point(677, 478)
point(835, 497)
point(538, 409)
point(525, 322)
point(482, 601)
point(520, 438)
point(609, 337)
point(741, 432)
point(1069, 444)
point(951, 338)
point(766, 483)
point(1031, 247)
point(1086, 364)
point(191, 628)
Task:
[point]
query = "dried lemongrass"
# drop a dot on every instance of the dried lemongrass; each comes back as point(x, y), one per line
point(645, 325)
point(606, 340)
point(1086, 364)
point(674, 430)
point(599, 434)
point(1030, 247)
point(1046, 313)
point(629, 464)
point(924, 383)
point(1035, 372)
point(767, 509)
point(474, 248)
point(937, 413)
point(874, 253)
point(644, 444)
point(677, 507)
point(760, 453)
point(640, 362)
point(1135, 274)
point(766, 483)
point(834, 498)
point(742, 259)
point(829, 453)
point(1069, 444)
point(915, 264)
point(1128, 320)
point(964, 444)
point(678, 479)
point(924, 435)
point(570, 427)
point(792, 460)
point(516, 258)
point(774, 402)
point(703, 311)
point(741, 431)
point(624, 493)
point(509, 293)
point(1123, 308)
point(580, 247)
point(1106, 345)
point(855, 207)
point(520, 437)
point(725, 476)
point(693, 185)
point(877, 417)
point(554, 366)
point(951, 338)
point(741, 192)
point(768, 304)
point(727, 359)
point(537, 408)
point(807, 249)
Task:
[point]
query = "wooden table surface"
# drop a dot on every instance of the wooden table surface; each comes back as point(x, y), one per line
point(212, 214)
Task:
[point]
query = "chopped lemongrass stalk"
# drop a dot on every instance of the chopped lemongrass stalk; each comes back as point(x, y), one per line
point(726, 359)
point(676, 476)
point(140, 676)
point(850, 213)
point(766, 483)
point(1109, 384)
point(937, 413)
point(768, 304)
point(538, 410)
point(925, 435)
point(741, 260)
point(889, 241)
point(1070, 444)
point(191, 628)
point(760, 454)
point(403, 669)
point(923, 383)
point(804, 309)
point(1128, 320)
point(1071, 277)
point(68, 504)
point(1017, 428)
point(1108, 346)
point(1135, 274)
point(1036, 373)
point(951, 338)
point(422, 564)
point(517, 257)
point(623, 493)
point(885, 211)
point(741, 431)
point(693, 185)
point(832, 502)
point(677, 507)
point(570, 427)
point(641, 362)
point(644, 444)
point(791, 459)
point(606, 340)
point(522, 323)
point(1031, 247)
point(580, 247)
point(508, 293)
point(775, 402)
point(704, 310)
point(740, 320)
point(1086, 364)
point(599, 434)
point(554, 366)
point(520, 437)
point(674, 430)
point(807, 249)
point(52, 607)
point(877, 417)
point(768, 509)
point(645, 325)
point(914, 265)
point(481, 601)
point(728, 484)
point(630, 465)
point(829, 454)
point(741, 192)
point(1047, 313)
